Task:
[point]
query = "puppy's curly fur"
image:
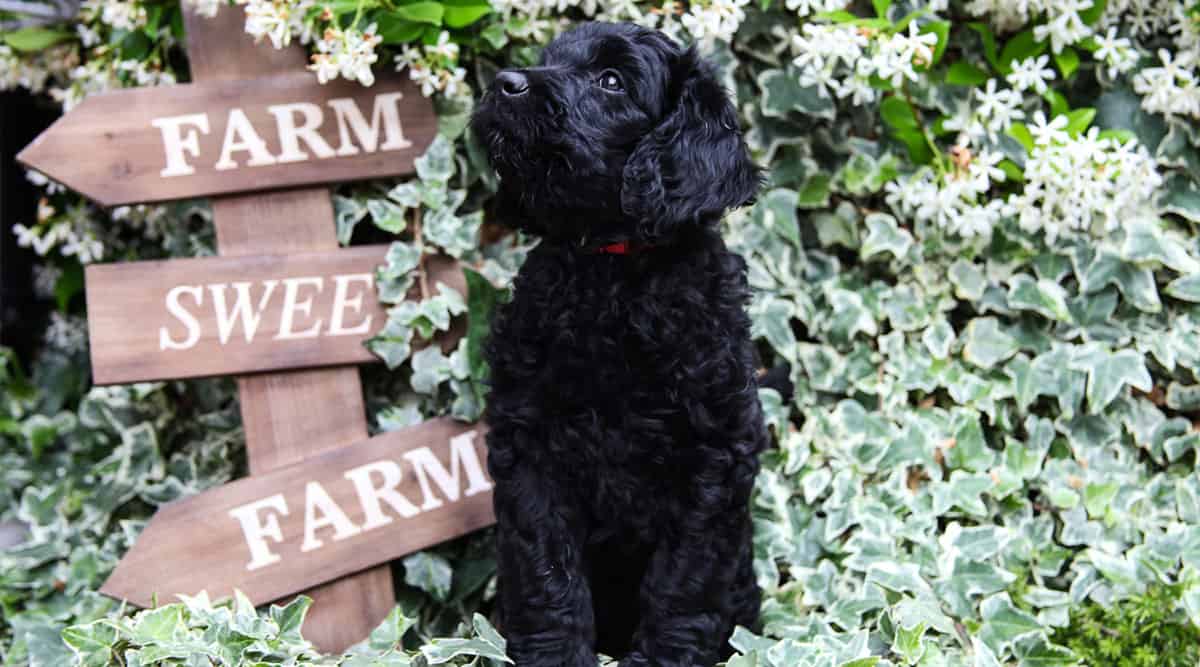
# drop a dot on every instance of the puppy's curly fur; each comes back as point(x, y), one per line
point(625, 422)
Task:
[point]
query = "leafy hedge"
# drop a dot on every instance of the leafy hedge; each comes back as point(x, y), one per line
point(977, 250)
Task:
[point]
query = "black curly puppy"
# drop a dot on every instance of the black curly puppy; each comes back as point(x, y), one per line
point(625, 422)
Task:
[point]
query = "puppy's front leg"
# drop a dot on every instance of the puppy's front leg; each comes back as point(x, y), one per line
point(697, 587)
point(545, 602)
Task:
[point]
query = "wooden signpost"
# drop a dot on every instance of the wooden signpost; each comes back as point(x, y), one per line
point(324, 504)
point(333, 514)
point(224, 315)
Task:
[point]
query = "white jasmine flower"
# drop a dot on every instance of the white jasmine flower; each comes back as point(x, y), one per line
point(956, 202)
point(67, 332)
point(897, 54)
point(206, 8)
point(808, 7)
point(1171, 88)
point(40, 238)
point(88, 36)
point(1046, 134)
point(272, 20)
point(714, 19)
point(1031, 73)
point(40, 180)
point(1116, 52)
point(997, 108)
point(45, 279)
point(348, 53)
point(434, 68)
point(444, 48)
point(1087, 185)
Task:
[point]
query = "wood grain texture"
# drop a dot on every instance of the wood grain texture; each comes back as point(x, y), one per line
point(288, 417)
point(196, 543)
point(128, 315)
point(127, 153)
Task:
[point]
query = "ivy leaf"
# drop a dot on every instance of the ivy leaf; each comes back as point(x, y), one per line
point(986, 344)
point(1147, 242)
point(1181, 196)
point(1004, 623)
point(1037, 652)
point(429, 572)
point(1185, 288)
point(1109, 372)
point(437, 164)
point(1135, 283)
point(884, 235)
point(388, 634)
point(967, 279)
point(782, 94)
point(482, 298)
point(1045, 297)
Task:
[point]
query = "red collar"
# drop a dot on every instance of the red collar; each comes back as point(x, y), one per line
point(622, 248)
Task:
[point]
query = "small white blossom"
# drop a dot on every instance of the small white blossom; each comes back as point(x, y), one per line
point(809, 7)
point(67, 333)
point(1047, 134)
point(714, 19)
point(206, 8)
point(956, 202)
point(998, 108)
point(435, 68)
point(1031, 73)
point(348, 53)
point(1088, 185)
point(1171, 88)
point(1115, 52)
point(45, 279)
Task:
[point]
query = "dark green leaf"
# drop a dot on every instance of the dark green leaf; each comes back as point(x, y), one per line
point(989, 42)
point(942, 30)
point(1021, 47)
point(898, 113)
point(35, 39)
point(457, 16)
point(1067, 61)
point(1079, 120)
point(68, 285)
point(963, 73)
point(421, 12)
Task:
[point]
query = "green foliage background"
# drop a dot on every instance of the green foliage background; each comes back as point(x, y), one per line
point(991, 457)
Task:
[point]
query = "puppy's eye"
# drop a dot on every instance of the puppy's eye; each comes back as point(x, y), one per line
point(610, 81)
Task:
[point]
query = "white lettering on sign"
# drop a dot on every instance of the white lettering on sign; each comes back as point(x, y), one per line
point(376, 490)
point(297, 127)
point(176, 142)
point(245, 308)
point(256, 530)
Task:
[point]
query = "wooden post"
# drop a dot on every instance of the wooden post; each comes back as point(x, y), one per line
point(289, 416)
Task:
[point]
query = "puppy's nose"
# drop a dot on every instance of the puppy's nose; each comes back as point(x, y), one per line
point(512, 83)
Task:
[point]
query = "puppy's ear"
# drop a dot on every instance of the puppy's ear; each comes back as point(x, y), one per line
point(694, 165)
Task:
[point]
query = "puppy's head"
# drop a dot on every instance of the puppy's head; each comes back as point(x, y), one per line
point(617, 133)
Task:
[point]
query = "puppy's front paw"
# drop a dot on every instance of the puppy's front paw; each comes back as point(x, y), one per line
point(552, 655)
point(635, 659)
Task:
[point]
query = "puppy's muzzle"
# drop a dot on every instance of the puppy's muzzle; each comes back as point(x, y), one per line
point(510, 83)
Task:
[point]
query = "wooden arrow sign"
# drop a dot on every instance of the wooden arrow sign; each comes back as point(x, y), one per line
point(275, 534)
point(219, 137)
point(184, 318)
